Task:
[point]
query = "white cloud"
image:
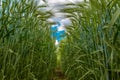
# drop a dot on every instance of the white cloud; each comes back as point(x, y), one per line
point(62, 1)
point(66, 21)
point(41, 2)
point(55, 6)
point(56, 1)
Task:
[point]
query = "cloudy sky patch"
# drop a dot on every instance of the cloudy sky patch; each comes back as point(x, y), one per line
point(54, 6)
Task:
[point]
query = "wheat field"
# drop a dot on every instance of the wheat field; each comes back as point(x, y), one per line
point(90, 51)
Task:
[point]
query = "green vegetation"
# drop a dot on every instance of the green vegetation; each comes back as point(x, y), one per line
point(91, 50)
point(26, 49)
